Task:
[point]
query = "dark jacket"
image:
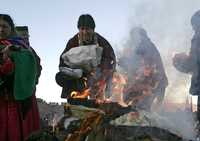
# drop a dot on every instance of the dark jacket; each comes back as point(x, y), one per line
point(107, 66)
point(191, 64)
point(194, 65)
point(152, 56)
point(146, 51)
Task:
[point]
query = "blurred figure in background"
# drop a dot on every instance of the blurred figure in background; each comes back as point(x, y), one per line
point(191, 63)
point(146, 75)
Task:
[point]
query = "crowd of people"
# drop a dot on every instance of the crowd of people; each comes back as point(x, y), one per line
point(144, 79)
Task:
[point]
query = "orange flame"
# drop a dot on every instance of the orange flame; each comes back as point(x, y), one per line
point(84, 94)
point(118, 82)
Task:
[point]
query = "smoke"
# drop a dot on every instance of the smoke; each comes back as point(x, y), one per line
point(168, 26)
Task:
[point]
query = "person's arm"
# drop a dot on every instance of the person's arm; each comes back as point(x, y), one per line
point(67, 48)
point(187, 63)
point(65, 72)
point(191, 62)
point(108, 61)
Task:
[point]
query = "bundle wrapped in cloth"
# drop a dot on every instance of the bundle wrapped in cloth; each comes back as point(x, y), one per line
point(75, 73)
point(182, 62)
point(83, 57)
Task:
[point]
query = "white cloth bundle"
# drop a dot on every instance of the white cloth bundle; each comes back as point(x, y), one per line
point(83, 57)
point(76, 73)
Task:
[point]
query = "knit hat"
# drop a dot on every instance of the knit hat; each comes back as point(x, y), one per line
point(86, 20)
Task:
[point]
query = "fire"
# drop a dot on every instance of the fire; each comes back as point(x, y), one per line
point(141, 83)
point(100, 93)
point(96, 90)
point(118, 83)
point(83, 94)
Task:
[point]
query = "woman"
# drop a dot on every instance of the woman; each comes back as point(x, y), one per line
point(19, 115)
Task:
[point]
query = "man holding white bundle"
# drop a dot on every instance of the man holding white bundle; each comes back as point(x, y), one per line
point(87, 62)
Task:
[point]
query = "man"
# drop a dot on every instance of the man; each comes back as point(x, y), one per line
point(146, 75)
point(87, 36)
point(191, 63)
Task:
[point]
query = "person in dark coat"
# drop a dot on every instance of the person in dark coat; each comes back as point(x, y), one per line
point(87, 36)
point(191, 63)
point(147, 76)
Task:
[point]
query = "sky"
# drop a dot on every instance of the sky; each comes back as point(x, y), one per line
point(52, 23)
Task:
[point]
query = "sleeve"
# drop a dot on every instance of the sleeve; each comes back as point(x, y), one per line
point(61, 77)
point(193, 55)
point(188, 63)
point(108, 62)
point(67, 48)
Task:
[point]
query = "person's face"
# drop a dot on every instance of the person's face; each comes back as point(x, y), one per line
point(85, 30)
point(5, 29)
point(86, 34)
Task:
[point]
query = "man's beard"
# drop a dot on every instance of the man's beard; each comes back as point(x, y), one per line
point(87, 39)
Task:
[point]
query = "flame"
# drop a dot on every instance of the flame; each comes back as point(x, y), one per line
point(118, 82)
point(83, 94)
point(101, 86)
point(142, 82)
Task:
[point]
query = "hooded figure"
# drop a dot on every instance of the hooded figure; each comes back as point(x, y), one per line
point(145, 70)
point(86, 36)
